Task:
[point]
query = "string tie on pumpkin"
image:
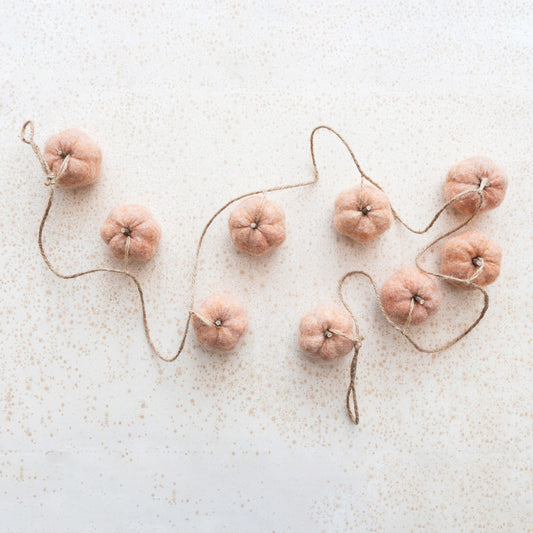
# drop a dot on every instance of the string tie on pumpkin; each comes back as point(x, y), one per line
point(480, 263)
point(255, 223)
point(126, 249)
point(216, 324)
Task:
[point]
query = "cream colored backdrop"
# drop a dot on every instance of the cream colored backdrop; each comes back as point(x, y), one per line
point(192, 105)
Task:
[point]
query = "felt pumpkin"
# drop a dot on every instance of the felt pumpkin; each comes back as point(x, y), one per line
point(326, 333)
point(366, 220)
point(219, 322)
point(463, 255)
point(136, 222)
point(406, 286)
point(83, 166)
point(467, 176)
point(257, 225)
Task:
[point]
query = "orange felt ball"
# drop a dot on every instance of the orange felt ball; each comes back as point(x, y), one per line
point(219, 322)
point(366, 220)
point(319, 333)
point(467, 176)
point(85, 158)
point(463, 255)
point(406, 286)
point(257, 225)
point(136, 222)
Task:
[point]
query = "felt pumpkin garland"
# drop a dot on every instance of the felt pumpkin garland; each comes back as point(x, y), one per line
point(257, 226)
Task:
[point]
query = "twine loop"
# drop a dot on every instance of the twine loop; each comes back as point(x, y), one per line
point(27, 125)
point(51, 177)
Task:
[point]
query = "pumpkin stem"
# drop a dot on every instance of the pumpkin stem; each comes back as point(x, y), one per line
point(477, 261)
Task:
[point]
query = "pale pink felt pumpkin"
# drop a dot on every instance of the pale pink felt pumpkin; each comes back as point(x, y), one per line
point(135, 222)
point(83, 166)
point(219, 322)
point(406, 286)
point(257, 225)
point(463, 255)
point(326, 333)
point(366, 220)
point(467, 176)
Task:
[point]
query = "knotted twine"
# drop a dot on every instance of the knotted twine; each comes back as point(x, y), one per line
point(27, 136)
point(351, 398)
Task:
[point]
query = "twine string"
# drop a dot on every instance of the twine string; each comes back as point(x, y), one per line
point(205, 320)
point(351, 397)
point(260, 210)
point(409, 316)
point(27, 136)
point(127, 253)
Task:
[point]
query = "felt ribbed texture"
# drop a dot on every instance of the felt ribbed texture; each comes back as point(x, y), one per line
point(362, 217)
point(402, 287)
point(458, 255)
point(257, 225)
point(467, 175)
point(315, 328)
point(233, 321)
point(85, 158)
point(137, 222)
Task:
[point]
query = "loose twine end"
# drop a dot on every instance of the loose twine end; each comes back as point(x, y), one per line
point(28, 125)
point(351, 397)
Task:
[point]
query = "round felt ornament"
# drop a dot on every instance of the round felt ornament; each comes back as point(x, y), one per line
point(470, 175)
point(219, 322)
point(362, 217)
point(136, 224)
point(471, 255)
point(410, 292)
point(326, 333)
point(85, 158)
point(257, 225)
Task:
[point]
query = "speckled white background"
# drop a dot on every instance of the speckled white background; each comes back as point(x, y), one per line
point(193, 105)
